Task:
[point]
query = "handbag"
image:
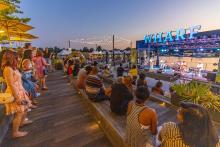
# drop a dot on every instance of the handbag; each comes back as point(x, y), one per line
point(5, 97)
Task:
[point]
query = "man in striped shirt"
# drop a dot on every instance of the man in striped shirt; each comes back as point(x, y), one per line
point(94, 87)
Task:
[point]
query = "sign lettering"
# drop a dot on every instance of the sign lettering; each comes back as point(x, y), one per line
point(180, 34)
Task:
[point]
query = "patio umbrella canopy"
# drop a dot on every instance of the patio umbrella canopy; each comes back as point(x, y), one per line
point(14, 25)
point(21, 35)
point(15, 28)
point(17, 39)
point(4, 6)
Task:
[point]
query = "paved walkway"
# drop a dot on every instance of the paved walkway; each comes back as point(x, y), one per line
point(60, 121)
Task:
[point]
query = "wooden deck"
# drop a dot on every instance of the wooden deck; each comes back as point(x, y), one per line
point(61, 120)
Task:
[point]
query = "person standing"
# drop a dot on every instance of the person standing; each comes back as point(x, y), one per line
point(47, 57)
point(27, 75)
point(21, 101)
point(41, 71)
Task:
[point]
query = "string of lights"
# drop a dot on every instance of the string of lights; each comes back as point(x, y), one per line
point(105, 42)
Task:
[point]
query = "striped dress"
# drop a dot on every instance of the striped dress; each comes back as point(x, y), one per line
point(170, 136)
point(138, 135)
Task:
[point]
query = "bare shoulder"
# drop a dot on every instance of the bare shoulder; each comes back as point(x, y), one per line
point(149, 110)
point(130, 104)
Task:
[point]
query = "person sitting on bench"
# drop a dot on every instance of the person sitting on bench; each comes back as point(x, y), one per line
point(141, 126)
point(120, 96)
point(82, 76)
point(158, 88)
point(95, 89)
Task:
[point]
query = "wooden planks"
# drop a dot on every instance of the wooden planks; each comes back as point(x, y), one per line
point(60, 120)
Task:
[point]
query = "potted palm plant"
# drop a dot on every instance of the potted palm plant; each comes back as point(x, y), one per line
point(200, 94)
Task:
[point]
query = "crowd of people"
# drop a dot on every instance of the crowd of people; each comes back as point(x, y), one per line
point(24, 71)
point(25, 75)
point(128, 95)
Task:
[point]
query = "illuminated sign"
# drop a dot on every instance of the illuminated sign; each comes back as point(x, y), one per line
point(180, 34)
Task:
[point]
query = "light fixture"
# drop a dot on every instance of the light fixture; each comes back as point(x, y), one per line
point(1, 31)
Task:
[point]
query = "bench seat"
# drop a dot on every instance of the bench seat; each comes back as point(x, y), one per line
point(114, 126)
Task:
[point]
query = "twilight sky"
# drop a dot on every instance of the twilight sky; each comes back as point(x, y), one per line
point(57, 21)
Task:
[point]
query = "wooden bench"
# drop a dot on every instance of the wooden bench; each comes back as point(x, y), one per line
point(114, 126)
